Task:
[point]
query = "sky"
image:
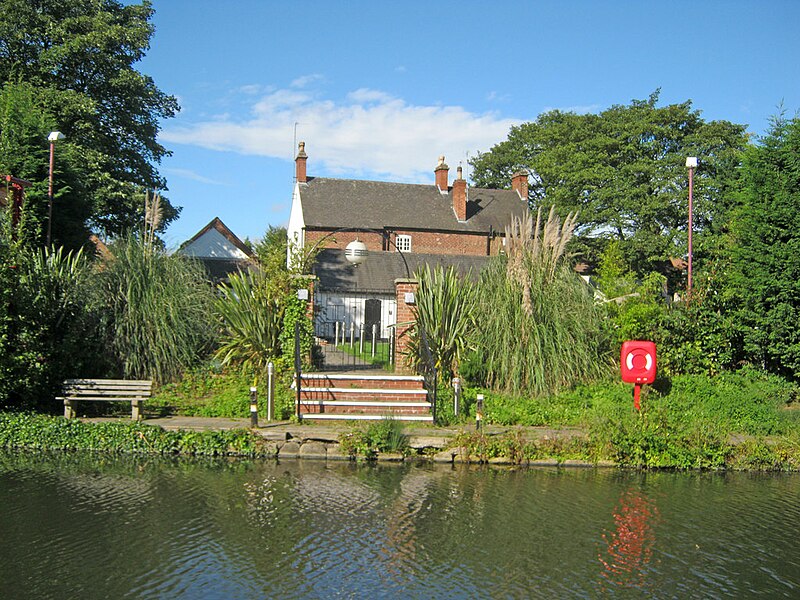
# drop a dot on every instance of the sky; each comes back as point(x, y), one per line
point(380, 89)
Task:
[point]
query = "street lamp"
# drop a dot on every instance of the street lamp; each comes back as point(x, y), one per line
point(54, 137)
point(691, 164)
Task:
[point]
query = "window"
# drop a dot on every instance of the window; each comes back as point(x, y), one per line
point(403, 243)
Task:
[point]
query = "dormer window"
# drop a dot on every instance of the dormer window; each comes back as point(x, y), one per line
point(403, 243)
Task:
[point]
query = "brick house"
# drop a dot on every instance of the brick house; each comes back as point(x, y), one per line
point(444, 223)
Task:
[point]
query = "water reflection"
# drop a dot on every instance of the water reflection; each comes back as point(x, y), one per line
point(629, 547)
point(151, 528)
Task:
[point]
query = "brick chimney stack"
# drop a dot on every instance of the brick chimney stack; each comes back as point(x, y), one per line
point(441, 173)
point(519, 183)
point(300, 164)
point(460, 197)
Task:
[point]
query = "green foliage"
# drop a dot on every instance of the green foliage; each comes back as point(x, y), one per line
point(252, 315)
point(366, 441)
point(157, 310)
point(538, 329)
point(49, 334)
point(25, 122)
point(443, 321)
point(207, 391)
point(623, 171)
point(39, 432)
point(296, 315)
point(77, 60)
point(765, 274)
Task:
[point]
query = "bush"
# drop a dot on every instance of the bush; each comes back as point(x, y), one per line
point(39, 432)
point(366, 441)
point(157, 311)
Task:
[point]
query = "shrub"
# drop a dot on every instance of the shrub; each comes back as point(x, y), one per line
point(538, 330)
point(366, 441)
point(157, 310)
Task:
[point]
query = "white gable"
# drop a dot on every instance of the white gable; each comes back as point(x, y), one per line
point(212, 244)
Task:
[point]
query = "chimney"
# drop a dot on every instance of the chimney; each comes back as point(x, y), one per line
point(441, 175)
point(519, 183)
point(460, 197)
point(300, 164)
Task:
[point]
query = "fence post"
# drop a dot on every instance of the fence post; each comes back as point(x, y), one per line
point(352, 334)
point(456, 395)
point(297, 367)
point(374, 337)
point(270, 391)
point(361, 338)
point(336, 335)
point(253, 406)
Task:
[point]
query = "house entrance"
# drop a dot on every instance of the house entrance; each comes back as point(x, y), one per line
point(354, 331)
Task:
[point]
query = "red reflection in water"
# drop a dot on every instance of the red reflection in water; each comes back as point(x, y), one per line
point(630, 547)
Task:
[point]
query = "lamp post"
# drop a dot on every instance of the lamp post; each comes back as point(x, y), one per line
point(54, 137)
point(691, 164)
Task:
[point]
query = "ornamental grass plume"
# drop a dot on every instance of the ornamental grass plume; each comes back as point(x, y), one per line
point(537, 328)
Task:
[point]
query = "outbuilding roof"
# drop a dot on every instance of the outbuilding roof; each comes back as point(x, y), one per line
point(379, 272)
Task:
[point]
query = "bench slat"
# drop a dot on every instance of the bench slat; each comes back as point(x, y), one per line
point(105, 390)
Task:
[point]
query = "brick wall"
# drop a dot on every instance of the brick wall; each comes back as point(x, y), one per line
point(404, 315)
point(422, 242)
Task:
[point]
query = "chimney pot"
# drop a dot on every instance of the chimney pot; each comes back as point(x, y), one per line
point(460, 196)
point(519, 183)
point(441, 173)
point(300, 164)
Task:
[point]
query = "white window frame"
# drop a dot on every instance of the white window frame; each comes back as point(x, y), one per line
point(403, 243)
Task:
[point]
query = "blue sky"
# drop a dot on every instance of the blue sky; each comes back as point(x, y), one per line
point(379, 89)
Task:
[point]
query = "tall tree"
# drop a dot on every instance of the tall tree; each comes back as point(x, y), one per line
point(79, 57)
point(623, 171)
point(765, 277)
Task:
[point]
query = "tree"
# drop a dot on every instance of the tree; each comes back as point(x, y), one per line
point(78, 57)
point(765, 277)
point(24, 126)
point(622, 171)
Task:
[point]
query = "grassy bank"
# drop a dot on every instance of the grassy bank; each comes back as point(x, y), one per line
point(43, 432)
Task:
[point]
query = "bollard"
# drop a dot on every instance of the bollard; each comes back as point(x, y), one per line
point(270, 391)
point(361, 338)
point(336, 335)
point(253, 406)
point(374, 338)
point(456, 395)
point(479, 413)
point(352, 334)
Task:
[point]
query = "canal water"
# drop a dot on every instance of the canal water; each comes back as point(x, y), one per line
point(88, 526)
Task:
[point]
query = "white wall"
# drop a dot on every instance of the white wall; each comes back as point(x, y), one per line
point(212, 244)
point(331, 307)
point(295, 231)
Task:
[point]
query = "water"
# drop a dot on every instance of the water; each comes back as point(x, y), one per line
point(83, 526)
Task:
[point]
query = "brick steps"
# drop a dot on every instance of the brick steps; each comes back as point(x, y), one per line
point(327, 396)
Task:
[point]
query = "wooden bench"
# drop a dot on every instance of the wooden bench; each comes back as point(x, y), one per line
point(105, 390)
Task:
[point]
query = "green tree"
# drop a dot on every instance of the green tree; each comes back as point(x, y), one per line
point(765, 277)
point(24, 126)
point(78, 57)
point(622, 171)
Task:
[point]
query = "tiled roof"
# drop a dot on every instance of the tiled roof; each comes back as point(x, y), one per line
point(379, 272)
point(333, 203)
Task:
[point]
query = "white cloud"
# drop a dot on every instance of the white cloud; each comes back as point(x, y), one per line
point(368, 134)
point(189, 174)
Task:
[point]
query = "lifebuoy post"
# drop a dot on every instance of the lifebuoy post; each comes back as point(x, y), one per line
point(637, 362)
